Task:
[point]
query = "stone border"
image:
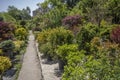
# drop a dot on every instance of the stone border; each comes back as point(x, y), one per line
point(39, 57)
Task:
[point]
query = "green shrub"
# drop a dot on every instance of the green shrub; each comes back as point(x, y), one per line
point(64, 50)
point(7, 18)
point(82, 67)
point(5, 64)
point(73, 69)
point(23, 23)
point(21, 33)
point(43, 36)
point(46, 49)
point(7, 47)
point(85, 36)
point(18, 45)
point(54, 38)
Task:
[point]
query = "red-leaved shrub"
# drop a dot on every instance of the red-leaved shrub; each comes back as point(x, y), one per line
point(6, 30)
point(115, 35)
point(71, 21)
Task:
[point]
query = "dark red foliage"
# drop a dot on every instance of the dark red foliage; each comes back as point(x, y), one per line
point(5, 31)
point(115, 35)
point(71, 21)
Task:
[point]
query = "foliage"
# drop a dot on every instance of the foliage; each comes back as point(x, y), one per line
point(88, 67)
point(7, 45)
point(42, 36)
point(5, 64)
point(104, 31)
point(93, 11)
point(65, 50)
point(60, 36)
point(7, 18)
point(115, 35)
point(1, 52)
point(18, 45)
point(1, 18)
point(46, 49)
point(95, 44)
point(71, 21)
point(75, 59)
point(114, 8)
point(71, 3)
point(94, 53)
point(85, 35)
point(57, 36)
point(21, 33)
point(6, 31)
point(19, 14)
point(98, 58)
point(55, 16)
point(50, 39)
point(52, 13)
point(14, 12)
point(36, 29)
point(23, 23)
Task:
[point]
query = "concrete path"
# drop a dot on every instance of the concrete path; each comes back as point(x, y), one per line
point(31, 69)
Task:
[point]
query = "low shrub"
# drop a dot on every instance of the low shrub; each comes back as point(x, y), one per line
point(5, 64)
point(6, 31)
point(71, 21)
point(18, 45)
point(54, 38)
point(21, 33)
point(7, 47)
point(115, 35)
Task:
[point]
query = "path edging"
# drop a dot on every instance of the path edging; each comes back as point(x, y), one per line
point(39, 57)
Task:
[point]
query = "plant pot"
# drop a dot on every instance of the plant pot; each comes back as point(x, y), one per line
point(49, 58)
point(61, 64)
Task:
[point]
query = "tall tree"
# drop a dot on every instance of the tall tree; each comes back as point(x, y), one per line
point(14, 12)
point(71, 3)
point(94, 10)
point(28, 9)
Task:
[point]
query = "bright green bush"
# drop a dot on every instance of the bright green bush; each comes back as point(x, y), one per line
point(104, 31)
point(7, 18)
point(64, 50)
point(21, 34)
point(60, 36)
point(43, 36)
point(5, 64)
point(82, 67)
point(85, 35)
point(46, 49)
point(72, 70)
point(18, 45)
point(54, 38)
